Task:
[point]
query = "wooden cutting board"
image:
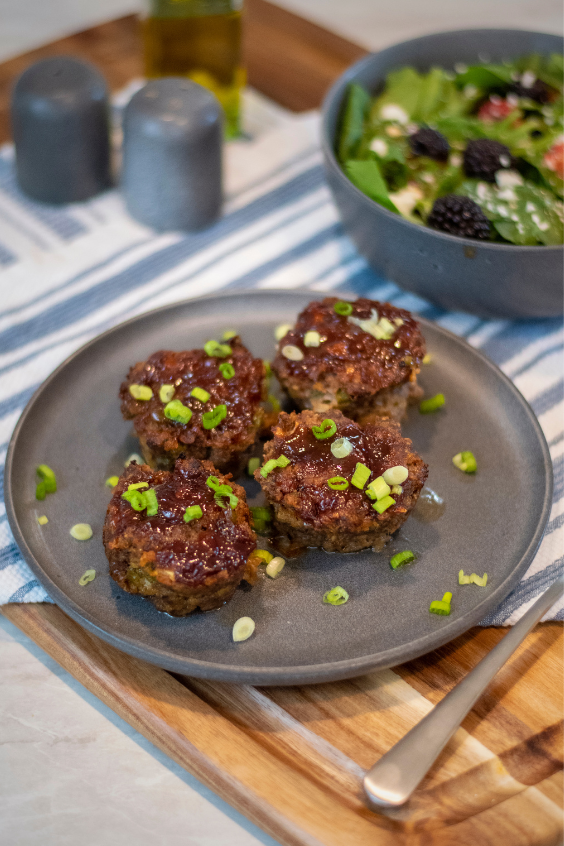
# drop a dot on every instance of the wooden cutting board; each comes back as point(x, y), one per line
point(292, 759)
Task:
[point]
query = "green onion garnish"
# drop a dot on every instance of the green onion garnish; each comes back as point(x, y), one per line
point(432, 404)
point(378, 489)
point(387, 328)
point(267, 368)
point(395, 475)
point(274, 403)
point(211, 419)
point(383, 504)
point(43, 520)
point(220, 490)
point(282, 330)
point(141, 500)
point(264, 555)
point(341, 447)
point(426, 359)
point(227, 370)
point(40, 492)
point(111, 481)
point(193, 512)
point(275, 567)
point(360, 476)
point(465, 461)
point(338, 483)
point(228, 334)
point(254, 464)
point(396, 490)
point(243, 629)
point(441, 606)
point(342, 308)
point(151, 503)
point(166, 393)
point(81, 532)
point(401, 558)
point(87, 576)
point(292, 352)
point(200, 394)
point(259, 512)
point(140, 392)
point(312, 339)
point(214, 348)
point(325, 430)
point(335, 596)
point(177, 412)
point(48, 478)
point(474, 579)
point(136, 486)
point(270, 465)
point(133, 457)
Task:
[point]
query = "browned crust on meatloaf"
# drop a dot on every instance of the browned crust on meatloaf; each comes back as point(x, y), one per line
point(351, 370)
point(229, 444)
point(308, 510)
point(180, 566)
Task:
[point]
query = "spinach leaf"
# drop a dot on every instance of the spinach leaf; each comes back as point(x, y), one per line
point(365, 174)
point(352, 121)
point(403, 88)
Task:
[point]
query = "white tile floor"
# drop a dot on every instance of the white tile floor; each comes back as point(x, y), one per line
point(25, 24)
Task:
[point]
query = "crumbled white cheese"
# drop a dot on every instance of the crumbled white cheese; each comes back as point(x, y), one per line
point(530, 208)
point(428, 178)
point(504, 160)
point(482, 190)
point(508, 178)
point(470, 91)
point(406, 199)
point(379, 146)
point(528, 79)
point(541, 224)
point(507, 194)
point(395, 113)
point(455, 159)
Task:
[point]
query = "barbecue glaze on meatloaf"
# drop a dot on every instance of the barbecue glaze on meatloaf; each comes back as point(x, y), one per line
point(364, 376)
point(178, 565)
point(310, 512)
point(229, 443)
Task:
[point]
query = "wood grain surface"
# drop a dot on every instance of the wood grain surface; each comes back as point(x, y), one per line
point(292, 759)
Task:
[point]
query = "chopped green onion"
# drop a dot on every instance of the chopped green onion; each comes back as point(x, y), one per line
point(282, 330)
point(401, 558)
point(426, 359)
point(140, 392)
point(214, 348)
point(275, 567)
point(48, 478)
point(228, 334)
point(222, 490)
point(254, 464)
point(193, 512)
point(264, 555)
point(462, 579)
point(243, 629)
point(397, 344)
point(342, 308)
point(40, 492)
point(395, 475)
point(397, 490)
point(213, 483)
point(432, 404)
point(259, 512)
point(341, 447)
point(335, 596)
point(200, 394)
point(360, 476)
point(133, 457)
point(135, 499)
point(141, 500)
point(270, 465)
point(177, 412)
point(43, 520)
point(137, 486)
point(111, 481)
point(399, 321)
point(338, 483)
point(325, 430)
point(211, 419)
point(383, 504)
point(274, 403)
point(312, 339)
point(81, 531)
point(441, 606)
point(292, 352)
point(465, 461)
point(474, 579)
point(87, 576)
point(387, 328)
point(151, 503)
point(166, 393)
point(378, 489)
point(267, 368)
point(227, 370)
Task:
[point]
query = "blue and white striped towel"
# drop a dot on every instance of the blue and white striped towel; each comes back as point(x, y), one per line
point(68, 274)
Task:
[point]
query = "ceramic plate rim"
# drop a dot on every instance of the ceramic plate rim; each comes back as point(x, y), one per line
point(302, 674)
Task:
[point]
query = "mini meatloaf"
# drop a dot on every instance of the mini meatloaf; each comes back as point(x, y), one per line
point(361, 357)
point(202, 403)
point(323, 476)
point(193, 552)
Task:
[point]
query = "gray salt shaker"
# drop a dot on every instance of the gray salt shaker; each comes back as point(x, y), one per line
point(60, 122)
point(172, 144)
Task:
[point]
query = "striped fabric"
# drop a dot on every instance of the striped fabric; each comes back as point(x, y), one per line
point(68, 274)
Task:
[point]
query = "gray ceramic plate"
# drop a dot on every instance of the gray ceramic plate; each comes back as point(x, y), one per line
point(492, 522)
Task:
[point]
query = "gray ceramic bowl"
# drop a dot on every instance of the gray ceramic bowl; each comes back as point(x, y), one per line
point(490, 280)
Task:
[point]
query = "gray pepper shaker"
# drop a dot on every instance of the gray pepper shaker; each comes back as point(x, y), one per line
point(60, 121)
point(172, 148)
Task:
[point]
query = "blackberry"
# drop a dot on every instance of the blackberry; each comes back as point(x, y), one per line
point(483, 158)
point(429, 142)
point(459, 216)
point(538, 91)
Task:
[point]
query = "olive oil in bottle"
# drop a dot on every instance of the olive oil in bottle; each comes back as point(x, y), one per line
point(199, 39)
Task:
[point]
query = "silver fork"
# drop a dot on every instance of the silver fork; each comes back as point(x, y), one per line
point(392, 780)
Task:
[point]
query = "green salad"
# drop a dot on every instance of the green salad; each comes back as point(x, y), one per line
point(476, 152)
